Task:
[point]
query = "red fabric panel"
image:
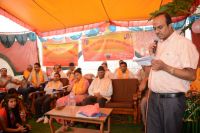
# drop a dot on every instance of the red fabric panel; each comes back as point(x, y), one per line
point(196, 41)
point(21, 56)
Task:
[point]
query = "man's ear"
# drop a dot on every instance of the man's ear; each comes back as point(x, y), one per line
point(170, 25)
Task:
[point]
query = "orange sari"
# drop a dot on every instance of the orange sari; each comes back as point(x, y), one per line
point(80, 87)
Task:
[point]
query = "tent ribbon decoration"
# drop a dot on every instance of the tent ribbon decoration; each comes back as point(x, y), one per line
point(8, 40)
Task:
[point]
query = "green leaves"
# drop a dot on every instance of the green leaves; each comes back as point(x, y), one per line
point(175, 8)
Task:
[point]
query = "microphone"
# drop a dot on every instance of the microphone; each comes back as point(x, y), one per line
point(155, 47)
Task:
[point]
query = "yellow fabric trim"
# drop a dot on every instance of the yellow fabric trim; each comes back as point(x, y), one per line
point(120, 74)
point(34, 77)
point(26, 74)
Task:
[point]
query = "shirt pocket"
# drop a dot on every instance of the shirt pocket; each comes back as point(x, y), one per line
point(171, 58)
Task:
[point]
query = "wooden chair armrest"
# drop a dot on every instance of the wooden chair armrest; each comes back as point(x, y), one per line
point(135, 97)
point(34, 94)
point(139, 95)
point(60, 94)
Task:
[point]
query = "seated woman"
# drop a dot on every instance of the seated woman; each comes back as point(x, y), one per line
point(10, 117)
point(42, 104)
point(79, 87)
point(22, 108)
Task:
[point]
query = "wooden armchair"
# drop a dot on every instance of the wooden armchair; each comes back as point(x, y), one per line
point(34, 95)
point(124, 98)
point(65, 81)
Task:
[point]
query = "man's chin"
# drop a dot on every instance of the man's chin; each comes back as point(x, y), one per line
point(160, 37)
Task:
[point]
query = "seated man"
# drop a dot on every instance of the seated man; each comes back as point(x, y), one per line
point(123, 72)
point(58, 69)
point(70, 72)
point(37, 81)
point(119, 65)
point(100, 90)
point(42, 104)
point(7, 82)
point(78, 87)
point(108, 73)
point(27, 72)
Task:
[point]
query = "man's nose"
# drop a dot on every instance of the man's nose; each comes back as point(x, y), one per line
point(156, 31)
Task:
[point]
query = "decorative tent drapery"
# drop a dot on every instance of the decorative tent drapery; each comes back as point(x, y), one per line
point(8, 39)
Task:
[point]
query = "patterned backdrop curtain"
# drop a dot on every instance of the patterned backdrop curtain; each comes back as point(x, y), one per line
point(20, 56)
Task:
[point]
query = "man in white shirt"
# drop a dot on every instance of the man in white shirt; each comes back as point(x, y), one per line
point(108, 73)
point(58, 69)
point(172, 69)
point(7, 81)
point(100, 90)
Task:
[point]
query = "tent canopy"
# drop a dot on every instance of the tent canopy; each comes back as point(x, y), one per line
point(50, 15)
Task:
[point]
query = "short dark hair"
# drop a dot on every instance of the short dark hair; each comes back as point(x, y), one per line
point(71, 64)
point(78, 70)
point(100, 68)
point(104, 63)
point(59, 66)
point(123, 63)
point(37, 64)
point(12, 91)
point(166, 15)
point(57, 74)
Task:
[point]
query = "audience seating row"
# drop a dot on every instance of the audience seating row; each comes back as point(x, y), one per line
point(123, 101)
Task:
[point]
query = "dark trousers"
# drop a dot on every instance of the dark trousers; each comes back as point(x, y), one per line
point(42, 105)
point(92, 100)
point(24, 93)
point(165, 115)
point(27, 91)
